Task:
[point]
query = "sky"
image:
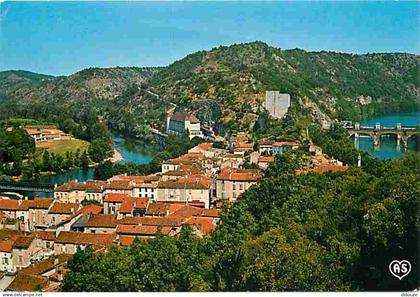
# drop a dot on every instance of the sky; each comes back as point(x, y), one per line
point(60, 38)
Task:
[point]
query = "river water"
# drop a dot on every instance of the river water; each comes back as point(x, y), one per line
point(130, 150)
point(388, 148)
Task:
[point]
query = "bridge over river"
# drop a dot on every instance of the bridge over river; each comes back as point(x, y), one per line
point(376, 132)
point(27, 186)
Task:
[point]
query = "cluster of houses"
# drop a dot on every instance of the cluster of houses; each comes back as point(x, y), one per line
point(46, 134)
point(37, 236)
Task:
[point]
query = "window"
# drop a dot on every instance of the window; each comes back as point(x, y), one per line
point(233, 186)
point(20, 259)
point(240, 187)
point(234, 195)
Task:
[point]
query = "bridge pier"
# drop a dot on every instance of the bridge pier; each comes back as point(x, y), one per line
point(376, 138)
point(404, 139)
point(377, 131)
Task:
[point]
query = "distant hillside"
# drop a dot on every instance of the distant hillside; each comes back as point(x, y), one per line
point(225, 85)
point(343, 85)
point(13, 80)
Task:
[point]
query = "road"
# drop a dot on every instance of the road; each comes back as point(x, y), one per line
point(5, 282)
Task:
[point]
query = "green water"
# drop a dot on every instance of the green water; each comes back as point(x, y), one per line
point(130, 150)
point(388, 148)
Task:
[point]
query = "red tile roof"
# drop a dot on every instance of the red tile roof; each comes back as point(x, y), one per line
point(101, 221)
point(142, 230)
point(89, 186)
point(6, 245)
point(234, 174)
point(45, 235)
point(285, 143)
point(23, 242)
point(44, 266)
point(127, 240)
point(64, 208)
point(129, 204)
point(41, 203)
point(85, 238)
point(162, 208)
point(92, 208)
point(205, 225)
point(324, 168)
point(115, 197)
point(147, 221)
point(266, 159)
point(184, 116)
point(205, 146)
point(27, 282)
point(9, 204)
point(119, 185)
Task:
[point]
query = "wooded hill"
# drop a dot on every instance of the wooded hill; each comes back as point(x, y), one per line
point(229, 80)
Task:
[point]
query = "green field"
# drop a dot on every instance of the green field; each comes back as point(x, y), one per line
point(62, 146)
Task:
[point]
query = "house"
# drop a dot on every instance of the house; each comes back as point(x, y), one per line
point(142, 232)
point(142, 186)
point(264, 161)
point(9, 207)
point(101, 223)
point(161, 209)
point(284, 146)
point(324, 168)
point(71, 191)
point(60, 211)
point(181, 123)
point(113, 201)
point(36, 134)
point(240, 148)
point(38, 213)
point(22, 249)
point(67, 242)
point(46, 134)
point(195, 188)
point(202, 226)
point(231, 182)
point(27, 283)
point(77, 221)
point(232, 161)
point(6, 259)
point(45, 239)
point(206, 149)
point(133, 207)
point(76, 192)
point(265, 147)
point(119, 186)
point(48, 267)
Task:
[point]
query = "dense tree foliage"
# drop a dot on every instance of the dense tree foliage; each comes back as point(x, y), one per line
point(15, 144)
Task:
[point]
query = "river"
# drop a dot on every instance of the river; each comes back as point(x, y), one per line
point(130, 150)
point(388, 148)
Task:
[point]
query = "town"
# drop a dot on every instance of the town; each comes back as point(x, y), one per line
point(39, 235)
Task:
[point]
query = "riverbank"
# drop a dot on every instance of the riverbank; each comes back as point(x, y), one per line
point(117, 157)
